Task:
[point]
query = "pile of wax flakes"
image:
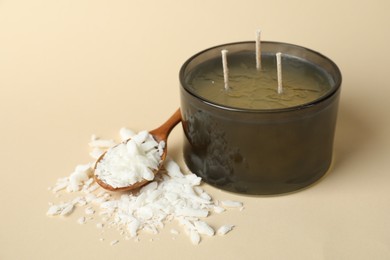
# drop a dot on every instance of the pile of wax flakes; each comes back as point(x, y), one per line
point(131, 162)
point(172, 196)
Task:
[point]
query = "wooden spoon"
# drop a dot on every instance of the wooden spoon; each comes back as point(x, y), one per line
point(159, 134)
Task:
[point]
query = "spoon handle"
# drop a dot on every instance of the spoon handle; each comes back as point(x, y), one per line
point(161, 133)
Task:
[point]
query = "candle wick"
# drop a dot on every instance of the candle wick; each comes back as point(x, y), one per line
point(258, 50)
point(225, 69)
point(279, 71)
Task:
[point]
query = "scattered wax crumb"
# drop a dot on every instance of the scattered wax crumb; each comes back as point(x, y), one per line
point(100, 225)
point(59, 186)
point(223, 230)
point(231, 203)
point(89, 211)
point(203, 228)
point(53, 210)
point(81, 220)
point(195, 237)
point(218, 209)
point(93, 187)
point(114, 242)
point(174, 231)
point(63, 209)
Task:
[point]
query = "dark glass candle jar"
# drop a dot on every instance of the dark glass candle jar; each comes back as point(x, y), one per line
point(256, 149)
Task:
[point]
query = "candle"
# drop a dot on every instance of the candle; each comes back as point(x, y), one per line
point(250, 88)
point(253, 138)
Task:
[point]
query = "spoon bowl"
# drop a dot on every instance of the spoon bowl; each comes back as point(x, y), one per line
point(159, 134)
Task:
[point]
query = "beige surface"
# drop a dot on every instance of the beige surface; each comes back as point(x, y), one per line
point(69, 69)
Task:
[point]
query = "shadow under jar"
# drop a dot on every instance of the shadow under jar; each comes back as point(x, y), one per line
point(249, 138)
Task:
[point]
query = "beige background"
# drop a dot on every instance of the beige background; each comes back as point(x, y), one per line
point(69, 69)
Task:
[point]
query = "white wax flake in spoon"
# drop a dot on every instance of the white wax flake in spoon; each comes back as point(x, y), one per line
point(130, 162)
point(100, 143)
point(96, 153)
point(126, 134)
point(172, 195)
